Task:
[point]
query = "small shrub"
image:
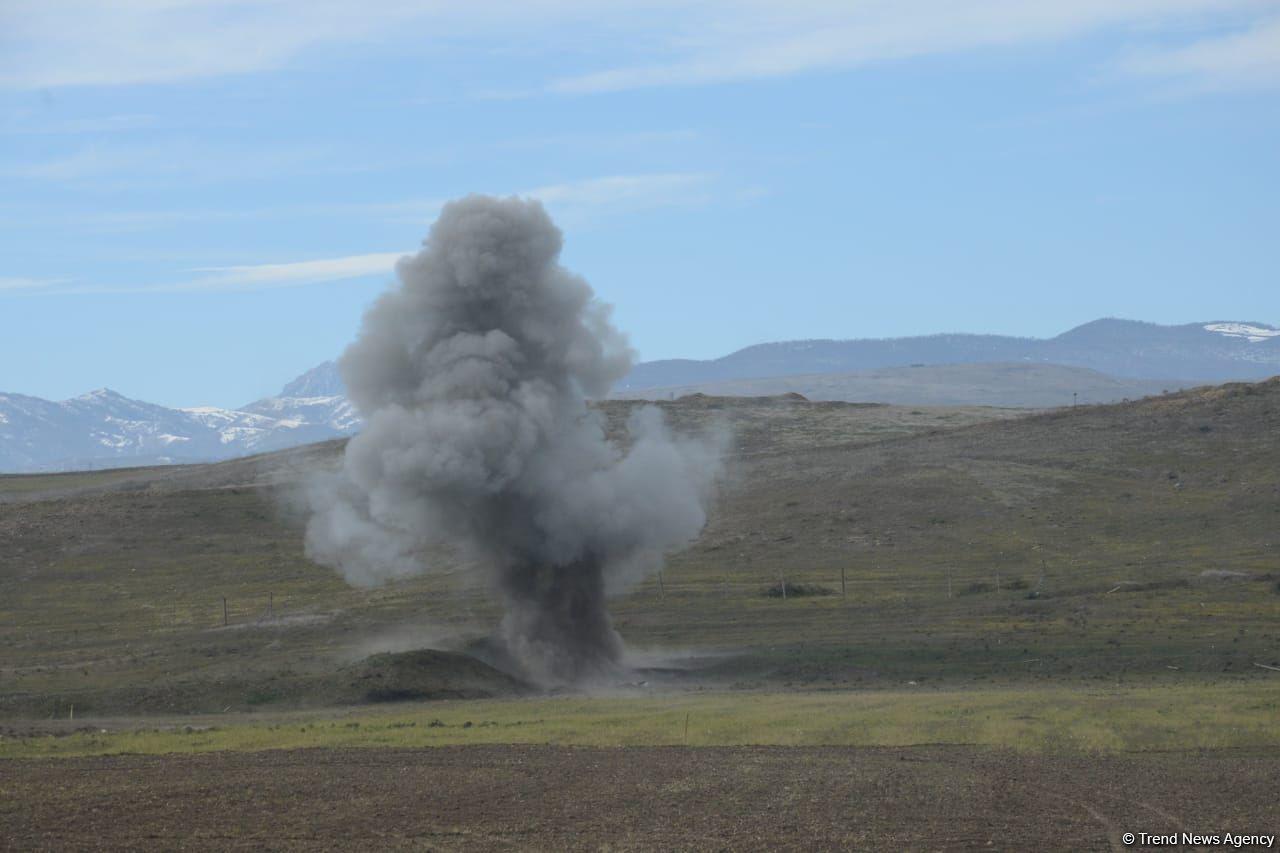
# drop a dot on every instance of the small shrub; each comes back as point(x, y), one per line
point(1144, 586)
point(261, 697)
point(797, 590)
point(976, 588)
point(1017, 583)
point(394, 694)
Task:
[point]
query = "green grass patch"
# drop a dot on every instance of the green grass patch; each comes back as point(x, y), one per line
point(1228, 715)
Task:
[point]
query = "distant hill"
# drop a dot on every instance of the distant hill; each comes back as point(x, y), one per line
point(986, 547)
point(1102, 361)
point(1017, 385)
point(1202, 352)
point(104, 429)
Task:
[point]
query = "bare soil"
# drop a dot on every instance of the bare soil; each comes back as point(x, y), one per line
point(668, 798)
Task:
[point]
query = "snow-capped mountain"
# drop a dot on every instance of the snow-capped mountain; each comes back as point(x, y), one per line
point(106, 429)
point(320, 381)
point(316, 397)
point(1251, 333)
point(103, 428)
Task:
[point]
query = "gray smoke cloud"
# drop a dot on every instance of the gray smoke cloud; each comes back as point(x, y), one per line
point(473, 377)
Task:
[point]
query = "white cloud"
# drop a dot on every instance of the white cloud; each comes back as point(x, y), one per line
point(597, 141)
point(48, 43)
point(124, 123)
point(757, 40)
point(617, 194)
point(582, 201)
point(572, 202)
point(251, 277)
point(164, 162)
point(87, 42)
point(616, 189)
point(1246, 59)
point(599, 196)
point(20, 283)
point(295, 274)
point(52, 43)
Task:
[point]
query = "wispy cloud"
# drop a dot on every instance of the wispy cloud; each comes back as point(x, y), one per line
point(770, 40)
point(603, 140)
point(571, 201)
point(21, 283)
point(586, 200)
point(49, 43)
point(1240, 60)
point(295, 274)
point(618, 194)
point(240, 278)
point(164, 162)
point(599, 196)
point(124, 123)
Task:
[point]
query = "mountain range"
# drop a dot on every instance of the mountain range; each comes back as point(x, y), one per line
point(1203, 352)
point(106, 429)
point(1002, 384)
point(1102, 361)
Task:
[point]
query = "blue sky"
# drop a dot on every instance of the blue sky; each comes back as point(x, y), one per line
point(198, 198)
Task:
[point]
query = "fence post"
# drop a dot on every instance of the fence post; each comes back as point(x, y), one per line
point(844, 590)
point(224, 611)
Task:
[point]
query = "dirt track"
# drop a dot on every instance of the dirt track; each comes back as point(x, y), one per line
point(555, 798)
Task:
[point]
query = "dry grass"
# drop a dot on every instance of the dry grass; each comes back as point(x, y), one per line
point(113, 593)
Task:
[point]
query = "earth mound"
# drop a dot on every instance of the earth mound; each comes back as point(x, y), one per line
point(425, 674)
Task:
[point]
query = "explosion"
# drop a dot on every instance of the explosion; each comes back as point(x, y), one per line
point(473, 377)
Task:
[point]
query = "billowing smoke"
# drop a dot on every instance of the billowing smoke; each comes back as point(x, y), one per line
point(473, 377)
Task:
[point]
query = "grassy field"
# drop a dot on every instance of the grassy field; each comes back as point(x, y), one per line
point(538, 797)
point(1131, 544)
point(999, 626)
point(1235, 715)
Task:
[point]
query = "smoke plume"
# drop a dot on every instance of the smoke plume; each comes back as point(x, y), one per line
point(473, 376)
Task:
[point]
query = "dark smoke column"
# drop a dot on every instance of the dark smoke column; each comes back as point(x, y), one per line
point(472, 376)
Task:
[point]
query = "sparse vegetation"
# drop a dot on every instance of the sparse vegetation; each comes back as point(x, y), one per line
point(979, 554)
point(783, 589)
point(1104, 718)
point(116, 603)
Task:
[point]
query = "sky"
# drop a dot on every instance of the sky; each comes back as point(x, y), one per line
point(198, 198)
